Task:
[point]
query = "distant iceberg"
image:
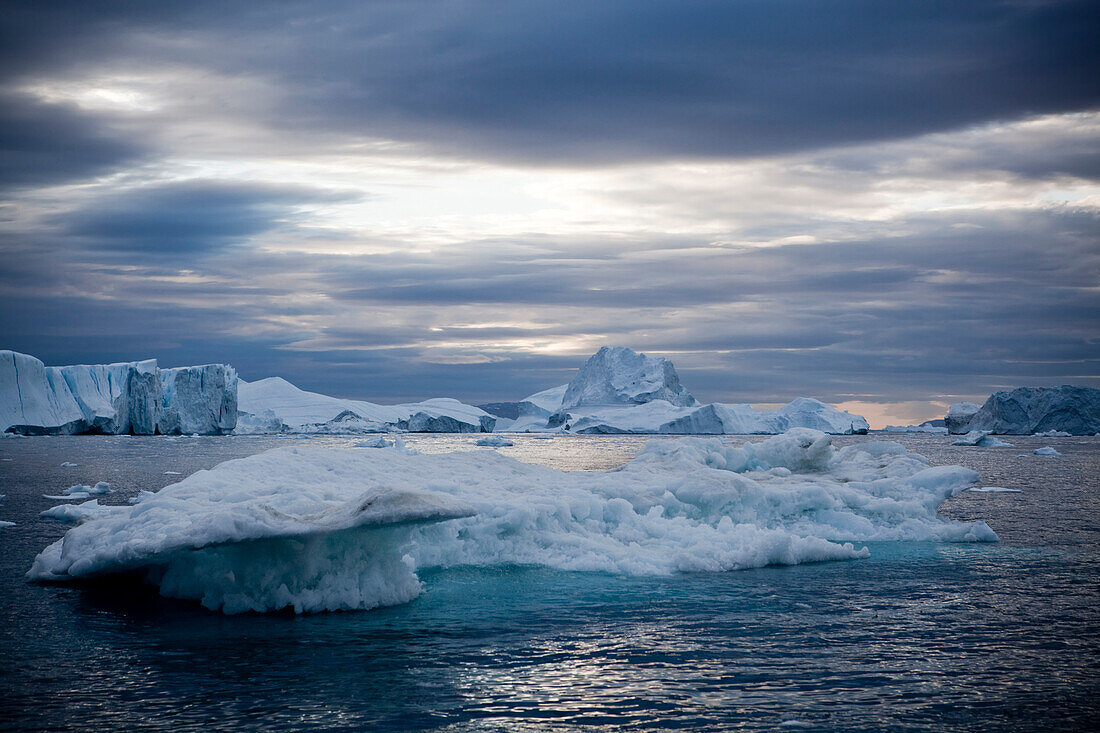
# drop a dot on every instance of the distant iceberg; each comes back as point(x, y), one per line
point(313, 529)
point(621, 391)
point(1030, 410)
point(129, 397)
point(274, 405)
point(981, 439)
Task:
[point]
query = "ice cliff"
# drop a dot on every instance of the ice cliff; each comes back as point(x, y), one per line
point(274, 405)
point(620, 391)
point(314, 529)
point(1028, 410)
point(129, 397)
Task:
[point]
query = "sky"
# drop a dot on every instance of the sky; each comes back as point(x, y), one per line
point(887, 205)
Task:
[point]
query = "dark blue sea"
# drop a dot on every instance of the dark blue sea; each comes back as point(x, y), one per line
point(920, 636)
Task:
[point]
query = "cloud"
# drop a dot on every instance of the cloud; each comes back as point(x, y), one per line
point(597, 82)
point(185, 219)
point(45, 144)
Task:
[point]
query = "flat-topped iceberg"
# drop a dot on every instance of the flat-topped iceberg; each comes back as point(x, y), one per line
point(958, 416)
point(1029, 410)
point(274, 405)
point(324, 529)
point(620, 391)
point(129, 397)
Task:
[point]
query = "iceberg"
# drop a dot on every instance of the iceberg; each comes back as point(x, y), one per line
point(922, 428)
point(621, 376)
point(958, 416)
point(1030, 410)
point(125, 398)
point(1046, 451)
point(314, 529)
point(274, 405)
point(621, 391)
point(981, 439)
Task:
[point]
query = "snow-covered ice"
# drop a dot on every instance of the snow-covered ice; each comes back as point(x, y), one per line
point(1046, 451)
point(323, 529)
point(73, 513)
point(621, 376)
point(274, 405)
point(981, 439)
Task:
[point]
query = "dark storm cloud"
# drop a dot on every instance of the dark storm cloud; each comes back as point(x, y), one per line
point(182, 220)
point(44, 144)
point(592, 82)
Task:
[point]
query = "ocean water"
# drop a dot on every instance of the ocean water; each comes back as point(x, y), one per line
point(920, 636)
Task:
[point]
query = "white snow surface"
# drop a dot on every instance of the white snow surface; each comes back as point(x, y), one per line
point(129, 397)
point(274, 405)
point(324, 529)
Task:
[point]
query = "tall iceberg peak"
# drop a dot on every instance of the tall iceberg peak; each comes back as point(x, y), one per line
point(621, 376)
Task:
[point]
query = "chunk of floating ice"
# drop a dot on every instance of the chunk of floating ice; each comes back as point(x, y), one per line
point(323, 529)
point(494, 441)
point(79, 512)
point(981, 439)
point(68, 464)
point(1046, 451)
point(172, 473)
point(142, 496)
point(80, 491)
point(995, 490)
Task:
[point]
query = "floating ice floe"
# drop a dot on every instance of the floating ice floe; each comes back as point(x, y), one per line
point(172, 473)
point(995, 490)
point(4, 523)
point(68, 464)
point(1046, 451)
point(378, 442)
point(981, 439)
point(930, 429)
point(72, 513)
point(317, 529)
point(81, 491)
point(1053, 434)
point(494, 441)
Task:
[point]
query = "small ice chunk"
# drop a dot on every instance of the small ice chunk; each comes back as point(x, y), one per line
point(68, 464)
point(172, 473)
point(1046, 451)
point(6, 524)
point(995, 490)
point(1053, 434)
point(73, 513)
point(142, 496)
point(494, 441)
point(981, 439)
point(80, 491)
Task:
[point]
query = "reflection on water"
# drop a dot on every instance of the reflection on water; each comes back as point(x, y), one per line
point(921, 636)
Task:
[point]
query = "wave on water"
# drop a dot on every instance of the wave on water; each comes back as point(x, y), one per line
point(316, 529)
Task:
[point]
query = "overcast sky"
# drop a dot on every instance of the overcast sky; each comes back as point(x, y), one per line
point(887, 205)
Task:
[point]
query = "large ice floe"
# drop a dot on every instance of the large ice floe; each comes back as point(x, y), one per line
point(129, 397)
point(274, 405)
point(1027, 410)
point(621, 391)
point(317, 529)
